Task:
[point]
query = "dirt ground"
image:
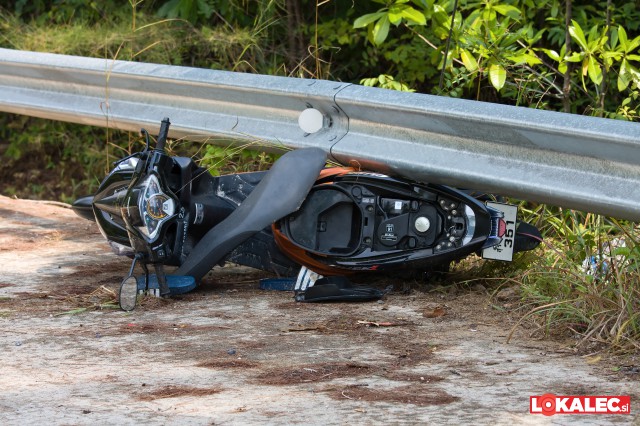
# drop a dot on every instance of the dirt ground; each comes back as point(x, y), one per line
point(230, 353)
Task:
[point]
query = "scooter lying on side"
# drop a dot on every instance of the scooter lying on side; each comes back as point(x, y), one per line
point(165, 211)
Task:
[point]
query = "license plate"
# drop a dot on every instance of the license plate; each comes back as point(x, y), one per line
point(507, 231)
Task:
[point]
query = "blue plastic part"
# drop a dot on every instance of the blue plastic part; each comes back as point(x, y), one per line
point(280, 284)
point(178, 284)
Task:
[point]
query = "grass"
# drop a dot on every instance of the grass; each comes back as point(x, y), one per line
point(235, 159)
point(167, 41)
point(585, 280)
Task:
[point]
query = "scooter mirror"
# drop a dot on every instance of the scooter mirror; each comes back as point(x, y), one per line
point(128, 293)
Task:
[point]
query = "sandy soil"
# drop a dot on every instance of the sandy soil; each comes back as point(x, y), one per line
point(230, 353)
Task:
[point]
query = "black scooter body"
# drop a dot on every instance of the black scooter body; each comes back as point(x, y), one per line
point(164, 210)
point(359, 221)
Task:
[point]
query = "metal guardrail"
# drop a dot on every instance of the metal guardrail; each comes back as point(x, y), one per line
point(578, 162)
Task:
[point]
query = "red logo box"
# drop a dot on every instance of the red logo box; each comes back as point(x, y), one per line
point(549, 404)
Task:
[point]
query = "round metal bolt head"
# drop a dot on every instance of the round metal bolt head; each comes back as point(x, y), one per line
point(422, 224)
point(311, 120)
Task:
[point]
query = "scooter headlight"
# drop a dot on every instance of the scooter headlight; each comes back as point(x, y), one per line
point(155, 207)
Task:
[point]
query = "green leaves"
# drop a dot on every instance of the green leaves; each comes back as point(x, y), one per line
point(408, 13)
point(592, 52)
point(378, 23)
point(367, 19)
point(503, 44)
point(468, 60)
point(596, 54)
point(507, 10)
point(380, 30)
point(189, 10)
point(497, 76)
point(577, 35)
point(594, 70)
point(386, 81)
point(624, 53)
point(524, 58)
point(627, 74)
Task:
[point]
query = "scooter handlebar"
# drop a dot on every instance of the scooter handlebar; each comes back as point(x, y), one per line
point(162, 135)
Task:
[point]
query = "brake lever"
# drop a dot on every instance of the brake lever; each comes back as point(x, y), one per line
point(147, 146)
point(162, 134)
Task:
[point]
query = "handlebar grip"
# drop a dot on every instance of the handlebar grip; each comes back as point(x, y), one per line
point(162, 135)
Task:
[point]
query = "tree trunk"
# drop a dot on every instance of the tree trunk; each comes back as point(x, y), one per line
point(566, 86)
point(296, 49)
